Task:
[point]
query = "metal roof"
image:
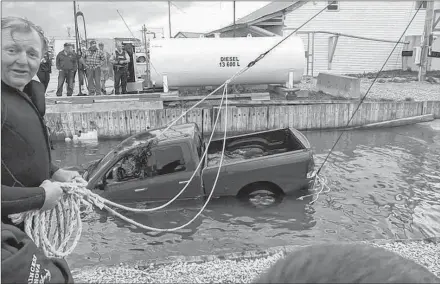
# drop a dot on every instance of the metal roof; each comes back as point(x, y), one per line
point(189, 34)
point(271, 8)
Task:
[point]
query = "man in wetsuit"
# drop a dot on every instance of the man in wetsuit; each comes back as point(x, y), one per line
point(27, 169)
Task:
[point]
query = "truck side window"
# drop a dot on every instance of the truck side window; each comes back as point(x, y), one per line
point(132, 166)
point(169, 160)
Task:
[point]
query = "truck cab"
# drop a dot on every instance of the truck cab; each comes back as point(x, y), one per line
point(144, 167)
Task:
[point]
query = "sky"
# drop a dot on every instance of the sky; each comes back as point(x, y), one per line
point(103, 21)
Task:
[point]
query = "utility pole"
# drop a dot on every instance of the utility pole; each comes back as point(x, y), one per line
point(76, 44)
point(426, 36)
point(169, 16)
point(147, 55)
point(234, 18)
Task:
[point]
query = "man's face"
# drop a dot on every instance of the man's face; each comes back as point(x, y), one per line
point(21, 57)
point(101, 47)
point(93, 44)
point(119, 46)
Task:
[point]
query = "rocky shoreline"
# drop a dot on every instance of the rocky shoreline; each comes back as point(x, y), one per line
point(238, 267)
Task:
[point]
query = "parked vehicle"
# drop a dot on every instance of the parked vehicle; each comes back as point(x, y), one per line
point(146, 168)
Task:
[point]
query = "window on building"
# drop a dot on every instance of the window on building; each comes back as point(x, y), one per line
point(423, 4)
point(333, 6)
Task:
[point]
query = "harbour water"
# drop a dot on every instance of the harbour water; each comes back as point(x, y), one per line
point(385, 183)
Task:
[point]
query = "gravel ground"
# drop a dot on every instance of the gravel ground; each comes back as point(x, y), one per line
point(236, 271)
point(406, 87)
point(417, 91)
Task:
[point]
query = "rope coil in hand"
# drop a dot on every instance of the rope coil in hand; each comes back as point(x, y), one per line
point(52, 230)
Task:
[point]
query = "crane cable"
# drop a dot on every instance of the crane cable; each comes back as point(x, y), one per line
point(322, 181)
point(52, 229)
point(77, 194)
point(252, 63)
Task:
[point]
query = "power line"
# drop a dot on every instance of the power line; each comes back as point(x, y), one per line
point(181, 10)
point(126, 24)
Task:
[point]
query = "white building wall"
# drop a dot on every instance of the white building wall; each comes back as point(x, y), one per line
point(376, 19)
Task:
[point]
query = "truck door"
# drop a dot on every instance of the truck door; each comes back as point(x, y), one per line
point(173, 167)
point(126, 180)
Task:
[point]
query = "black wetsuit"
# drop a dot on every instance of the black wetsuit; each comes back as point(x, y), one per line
point(26, 163)
point(25, 150)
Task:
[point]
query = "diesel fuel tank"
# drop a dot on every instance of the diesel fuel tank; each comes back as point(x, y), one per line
point(191, 62)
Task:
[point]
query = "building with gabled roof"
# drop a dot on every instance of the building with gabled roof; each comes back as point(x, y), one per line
point(347, 37)
point(188, 35)
point(266, 21)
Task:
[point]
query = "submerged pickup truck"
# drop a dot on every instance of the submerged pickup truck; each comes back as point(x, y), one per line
point(146, 167)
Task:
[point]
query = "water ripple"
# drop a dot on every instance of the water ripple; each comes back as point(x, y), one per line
point(385, 184)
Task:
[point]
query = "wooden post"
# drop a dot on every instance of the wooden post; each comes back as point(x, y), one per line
point(147, 56)
point(308, 52)
point(313, 53)
point(290, 84)
point(426, 35)
point(332, 42)
point(165, 84)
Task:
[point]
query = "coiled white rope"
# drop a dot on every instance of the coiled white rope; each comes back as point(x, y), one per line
point(52, 230)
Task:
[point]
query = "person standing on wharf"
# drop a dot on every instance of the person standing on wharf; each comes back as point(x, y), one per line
point(27, 169)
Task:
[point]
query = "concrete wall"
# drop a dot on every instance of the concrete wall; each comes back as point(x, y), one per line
point(377, 19)
point(339, 86)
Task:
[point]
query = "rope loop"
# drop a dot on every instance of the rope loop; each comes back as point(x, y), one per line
point(52, 230)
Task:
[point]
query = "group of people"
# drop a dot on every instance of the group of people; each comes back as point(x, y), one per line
point(94, 67)
point(29, 182)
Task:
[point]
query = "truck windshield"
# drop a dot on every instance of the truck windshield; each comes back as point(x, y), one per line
point(92, 169)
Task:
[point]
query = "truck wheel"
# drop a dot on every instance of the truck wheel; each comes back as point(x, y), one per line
point(261, 195)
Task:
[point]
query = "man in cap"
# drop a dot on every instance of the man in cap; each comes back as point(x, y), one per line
point(105, 69)
point(67, 65)
point(94, 59)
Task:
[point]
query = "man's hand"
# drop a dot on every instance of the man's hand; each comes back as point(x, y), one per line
point(67, 176)
point(53, 193)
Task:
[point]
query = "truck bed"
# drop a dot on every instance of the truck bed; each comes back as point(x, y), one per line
point(251, 146)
